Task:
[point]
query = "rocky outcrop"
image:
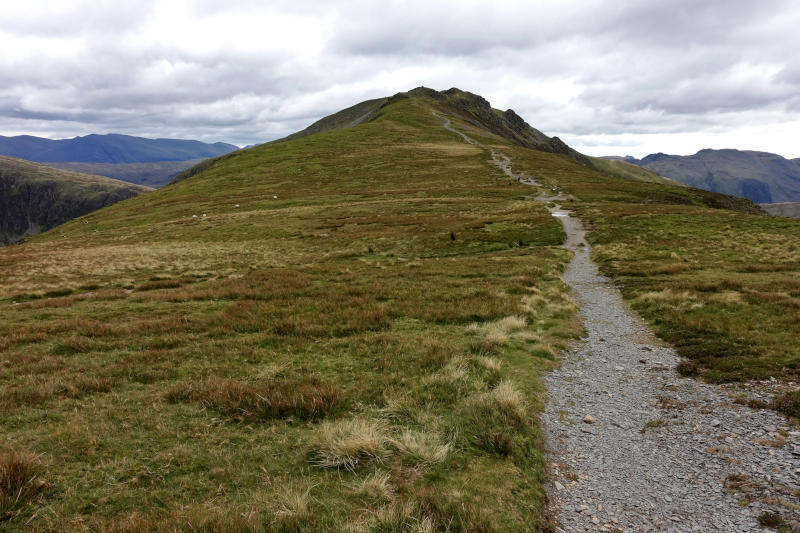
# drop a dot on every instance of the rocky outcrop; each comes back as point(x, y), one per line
point(35, 198)
point(476, 110)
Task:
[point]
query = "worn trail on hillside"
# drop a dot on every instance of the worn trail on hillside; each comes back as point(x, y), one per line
point(657, 452)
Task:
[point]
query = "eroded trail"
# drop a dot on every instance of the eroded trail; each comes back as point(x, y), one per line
point(657, 452)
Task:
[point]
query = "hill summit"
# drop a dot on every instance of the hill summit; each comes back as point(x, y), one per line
point(472, 108)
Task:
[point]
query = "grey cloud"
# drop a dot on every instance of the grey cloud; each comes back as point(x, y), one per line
point(638, 67)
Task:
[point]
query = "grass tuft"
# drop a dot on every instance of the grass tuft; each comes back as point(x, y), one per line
point(789, 403)
point(264, 401)
point(20, 482)
point(376, 488)
point(498, 419)
point(421, 449)
point(350, 443)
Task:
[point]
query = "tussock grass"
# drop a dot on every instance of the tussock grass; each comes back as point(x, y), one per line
point(306, 400)
point(421, 449)
point(349, 443)
point(376, 488)
point(295, 510)
point(498, 419)
point(20, 482)
point(41, 390)
point(789, 403)
point(401, 517)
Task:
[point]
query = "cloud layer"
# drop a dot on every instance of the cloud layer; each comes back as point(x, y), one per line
point(618, 76)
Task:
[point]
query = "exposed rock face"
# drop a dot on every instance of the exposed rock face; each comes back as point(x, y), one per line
point(476, 110)
point(35, 198)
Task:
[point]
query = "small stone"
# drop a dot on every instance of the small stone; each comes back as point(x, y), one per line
point(589, 419)
point(796, 451)
point(646, 349)
point(559, 486)
point(674, 518)
point(715, 423)
point(619, 368)
point(643, 360)
point(595, 520)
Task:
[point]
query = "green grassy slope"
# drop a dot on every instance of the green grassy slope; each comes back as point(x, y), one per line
point(624, 170)
point(345, 331)
point(710, 273)
point(35, 197)
point(355, 346)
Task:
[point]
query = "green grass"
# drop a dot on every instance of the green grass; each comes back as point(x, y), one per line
point(351, 338)
point(722, 284)
point(360, 353)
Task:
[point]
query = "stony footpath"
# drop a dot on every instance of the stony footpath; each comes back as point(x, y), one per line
point(634, 447)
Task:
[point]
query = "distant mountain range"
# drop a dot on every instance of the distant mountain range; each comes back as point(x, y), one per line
point(760, 176)
point(152, 162)
point(35, 197)
point(111, 148)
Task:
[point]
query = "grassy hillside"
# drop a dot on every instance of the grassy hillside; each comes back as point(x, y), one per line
point(35, 197)
point(344, 332)
point(629, 171)
point(712, 276)
point(355, 346)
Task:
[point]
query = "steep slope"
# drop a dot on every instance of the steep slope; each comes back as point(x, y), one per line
point(111, 148)
point(35, 197)
point(470, 108)
point(342, 331)
point(346, 118)
point(759, 176)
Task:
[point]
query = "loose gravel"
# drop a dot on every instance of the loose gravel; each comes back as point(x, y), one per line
point(632, 445)
point(664, 453)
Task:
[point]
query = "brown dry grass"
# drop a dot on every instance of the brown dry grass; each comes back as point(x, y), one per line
point(306, 400)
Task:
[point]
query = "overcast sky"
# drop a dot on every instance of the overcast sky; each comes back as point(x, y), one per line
point(607, 76)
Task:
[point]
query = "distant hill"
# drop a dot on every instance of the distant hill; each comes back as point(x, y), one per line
point(619, 167)
point(35, 197)
point(156, 174)
point(111, 148)
point(784, 209)
point(760, 176)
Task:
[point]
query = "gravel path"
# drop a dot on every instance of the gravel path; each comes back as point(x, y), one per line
point(660, 452)
point(632, 445)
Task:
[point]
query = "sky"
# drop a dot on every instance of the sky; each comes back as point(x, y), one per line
point(609, 77)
